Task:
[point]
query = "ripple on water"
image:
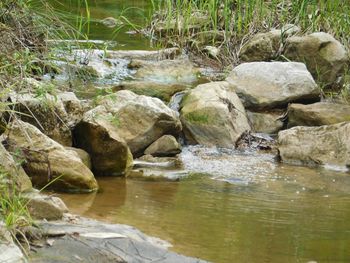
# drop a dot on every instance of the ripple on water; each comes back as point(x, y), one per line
point(232, 166)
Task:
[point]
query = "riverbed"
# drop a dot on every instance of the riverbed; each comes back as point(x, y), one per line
point(232, 206)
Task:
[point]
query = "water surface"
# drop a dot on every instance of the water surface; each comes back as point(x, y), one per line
point(248, 208)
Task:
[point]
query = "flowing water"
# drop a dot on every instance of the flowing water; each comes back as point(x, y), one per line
point(234, 206)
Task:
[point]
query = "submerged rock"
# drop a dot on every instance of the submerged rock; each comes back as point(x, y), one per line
point(265, 122)
point(324, 145)
point(324, 56)
point(268, 85)
point(46, 160)
point(166, 145)
point(14, 174)
point(212, 114)
point(317, 114)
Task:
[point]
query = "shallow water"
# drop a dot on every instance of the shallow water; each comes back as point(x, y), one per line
point(137, 11)
point(258, 210)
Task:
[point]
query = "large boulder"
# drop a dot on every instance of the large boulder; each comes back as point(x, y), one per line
point(324, 56)
point(212, 114)
point(317, 114)
point(10, 253)
point(265, 122)
point(46, 161)
point(166, 145)
point(324, 145)
point(12, 172)
point(268, 85)
point(123, 120)
point(46, 112)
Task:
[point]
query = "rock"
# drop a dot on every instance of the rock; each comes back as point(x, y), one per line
point(45, 207)
point(262, 47)
point(166, 145)
point(83, 155)
point(268, 85)
point(45, 160)
point(266, 122)
point(111, 22)
point(98, 134)
point(46, 112)
point(93, 241)
point(213, 115)
point(324, 56)
point(149, 161)
point(10, 253)
point(165, 71)
point(15, 175)
point(73, 107)
point(324, 145)
point(213, 52)
point(317, 114)
point(159, 90)
point(265, 46)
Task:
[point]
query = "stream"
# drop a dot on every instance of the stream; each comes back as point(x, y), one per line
point(232, 206)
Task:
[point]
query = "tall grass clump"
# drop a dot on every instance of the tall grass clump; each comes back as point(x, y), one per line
point(184, 21)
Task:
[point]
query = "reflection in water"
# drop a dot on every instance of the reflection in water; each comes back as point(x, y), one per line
point(281, 214)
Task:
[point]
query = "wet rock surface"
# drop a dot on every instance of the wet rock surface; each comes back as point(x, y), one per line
point(266, 122)
point(85, 240)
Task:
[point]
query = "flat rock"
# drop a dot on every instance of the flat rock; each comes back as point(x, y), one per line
point(93, 241)
point(213, 115)
point(268, 85)
point(317, 114)
point(324, 145)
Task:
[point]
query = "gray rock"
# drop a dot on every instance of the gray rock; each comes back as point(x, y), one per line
point(324, 56)
point(324, 145)
point(267, 122)
point(212, 114)
point(268, 85)
point(46, 159)
point(93, 241)
point(166, 145)
point(317, 114)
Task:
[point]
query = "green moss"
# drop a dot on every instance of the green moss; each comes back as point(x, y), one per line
point(202, 118)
